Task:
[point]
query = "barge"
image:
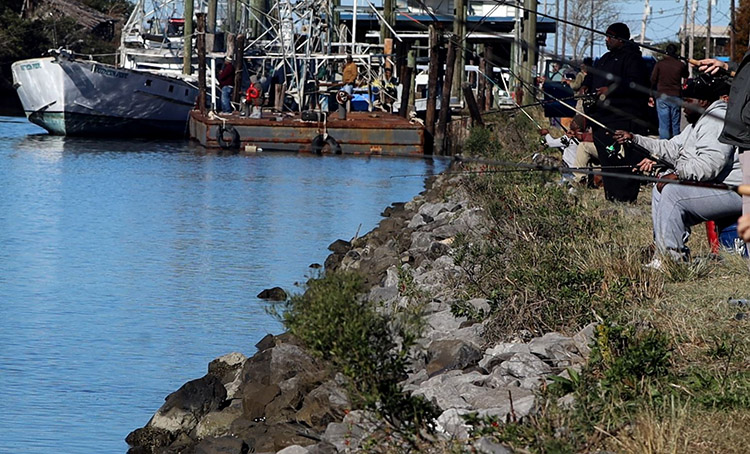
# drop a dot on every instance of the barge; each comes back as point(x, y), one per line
point(361, 133)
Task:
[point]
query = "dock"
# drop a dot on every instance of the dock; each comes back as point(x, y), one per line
point(361, 133)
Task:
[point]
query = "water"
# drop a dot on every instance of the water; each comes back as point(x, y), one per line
point(127, 266)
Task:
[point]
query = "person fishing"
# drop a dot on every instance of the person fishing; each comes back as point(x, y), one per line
point(696, 155)
point(620, 106)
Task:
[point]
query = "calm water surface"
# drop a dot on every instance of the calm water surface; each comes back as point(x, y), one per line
point(127, 266)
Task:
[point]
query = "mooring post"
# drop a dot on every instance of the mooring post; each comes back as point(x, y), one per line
point(445, 100)
point(239, 51)
point(488, 69)
point(433, 71)
point(200, 43)
point(407, 81)
point(471, 103)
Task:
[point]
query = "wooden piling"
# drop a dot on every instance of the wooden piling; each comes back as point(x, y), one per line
point(481, 80)
point(407, 91)
point(471, 103)
point(433, 71)
point(239, 50)
point(488, 67)
point(187, 63)
point(200, 43)
point(445, 100)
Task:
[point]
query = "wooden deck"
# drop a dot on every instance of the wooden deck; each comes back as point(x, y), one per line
point(362, 133)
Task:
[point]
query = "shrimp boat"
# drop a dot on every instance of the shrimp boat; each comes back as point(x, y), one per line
point(144, 95)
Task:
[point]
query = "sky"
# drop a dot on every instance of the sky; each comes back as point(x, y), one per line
point(665, 19)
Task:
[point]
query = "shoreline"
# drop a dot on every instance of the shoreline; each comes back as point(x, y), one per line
point(282, 399)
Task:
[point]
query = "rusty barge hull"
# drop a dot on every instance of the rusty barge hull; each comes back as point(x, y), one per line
point(362, 133)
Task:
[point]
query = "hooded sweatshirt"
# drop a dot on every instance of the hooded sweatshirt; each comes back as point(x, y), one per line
point(696, 152)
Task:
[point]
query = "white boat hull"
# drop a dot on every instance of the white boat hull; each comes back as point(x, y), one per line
point(72, 97)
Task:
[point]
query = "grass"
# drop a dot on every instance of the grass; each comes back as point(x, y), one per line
point(669, 371)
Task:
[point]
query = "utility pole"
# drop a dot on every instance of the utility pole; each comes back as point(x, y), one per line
point(187, 48)
point(592, 30)
point(529, 31)
point(683, 38)
point(565, 29)
point(385, 32)
point(646, 12)
point(731, 31)
point(557, 28)
point(459, 32)
point(708, 32)
point(691, 50)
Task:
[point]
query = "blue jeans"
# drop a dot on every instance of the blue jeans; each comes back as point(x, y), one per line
point(226, 98)
point(669, 117)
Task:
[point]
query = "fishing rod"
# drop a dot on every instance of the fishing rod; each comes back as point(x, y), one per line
point(691, 61)
point(513, 170)
point(642, 150)
point(741, 189)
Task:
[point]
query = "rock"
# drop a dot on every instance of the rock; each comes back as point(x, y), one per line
point(347, 435)
point(451, 354)
point(421, 241)
point(551, 343)
point(186, 406)
point(451, 389)
point(217, 423)
point(294, 449)
point(486, 445)
point(523, 365)
point(228, 369)
point(442, 322)
point(418, 220)
point(480, 305)
point(501, 352)
point(433, 209)
point(323, 405)
point(340, 247)
point(149, 439)
point(451, 423)
point(255, 397)
point(273, 294)
point(321, 448)
point(584, 338)
point(221, 445)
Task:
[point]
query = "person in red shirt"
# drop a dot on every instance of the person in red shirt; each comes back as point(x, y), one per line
point(226, 84)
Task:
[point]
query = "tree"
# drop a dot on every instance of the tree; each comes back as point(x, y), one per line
point(580, 12)
point(742, 29)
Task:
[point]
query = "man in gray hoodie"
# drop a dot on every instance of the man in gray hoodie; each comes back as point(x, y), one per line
point(697, 155)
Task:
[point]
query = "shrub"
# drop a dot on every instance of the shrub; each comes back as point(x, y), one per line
point(372, 349)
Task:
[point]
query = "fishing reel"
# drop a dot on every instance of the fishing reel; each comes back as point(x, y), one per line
point(616, 151)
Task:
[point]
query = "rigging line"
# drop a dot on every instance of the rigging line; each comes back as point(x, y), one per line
point(741, 189)
point(616, 81)
point(636, 147)
point(511, 170)
point(593, 30)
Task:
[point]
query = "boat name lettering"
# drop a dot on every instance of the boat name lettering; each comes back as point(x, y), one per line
point(110, 72)
point(30, 66)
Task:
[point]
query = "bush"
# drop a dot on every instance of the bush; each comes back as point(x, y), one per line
point(373, 350)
